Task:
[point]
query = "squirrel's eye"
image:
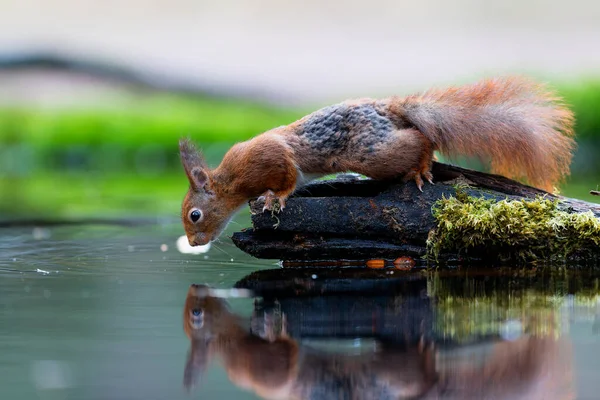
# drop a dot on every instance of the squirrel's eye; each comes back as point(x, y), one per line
point(196, 312)
point(195, 215)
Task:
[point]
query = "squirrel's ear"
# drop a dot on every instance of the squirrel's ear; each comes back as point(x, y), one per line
point(194, 164)
point(198, 178)
point(197, 362)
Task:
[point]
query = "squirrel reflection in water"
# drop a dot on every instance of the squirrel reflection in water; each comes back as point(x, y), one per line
point(283, 368)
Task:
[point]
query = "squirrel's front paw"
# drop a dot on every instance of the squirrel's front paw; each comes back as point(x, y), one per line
point(270, 199)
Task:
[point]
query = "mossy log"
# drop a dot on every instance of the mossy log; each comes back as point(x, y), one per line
point(359, 219)
point(448, 305)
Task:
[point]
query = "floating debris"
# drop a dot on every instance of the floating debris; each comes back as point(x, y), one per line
point(404, 263)
point(164, 247)
point(43, 272)
point(376, 264)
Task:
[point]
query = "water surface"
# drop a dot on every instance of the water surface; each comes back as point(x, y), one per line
point(97, 312)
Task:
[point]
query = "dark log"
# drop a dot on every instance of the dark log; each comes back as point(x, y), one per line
point(358, 219)
point(307, 282)
point(279, 283)
point(357, 302)
point(299, 246)
point(346, 303)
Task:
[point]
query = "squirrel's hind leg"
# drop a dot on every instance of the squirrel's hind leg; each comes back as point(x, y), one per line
point(422, 170)
point(405, 155)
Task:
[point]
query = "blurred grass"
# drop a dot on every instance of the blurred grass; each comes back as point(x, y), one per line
point(583, 97)
point(148, 119)
point(77, 195)
point(54, 194)
point(113, 134)
point(161, 118)
point(120, 157)
point(538, 300)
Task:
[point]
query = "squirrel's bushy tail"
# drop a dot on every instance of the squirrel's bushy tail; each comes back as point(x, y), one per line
point(520, 126)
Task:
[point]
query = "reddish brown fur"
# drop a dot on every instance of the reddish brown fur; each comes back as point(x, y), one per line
point(266, 367)
point(282, 369)
point(249, 169)
point(520, 127)
point(529, 367)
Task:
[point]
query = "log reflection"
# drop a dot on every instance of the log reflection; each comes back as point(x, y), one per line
point(405, 352)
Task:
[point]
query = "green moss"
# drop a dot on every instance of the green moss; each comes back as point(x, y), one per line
point(466, 308)
point(464, 318)
point(524, 230)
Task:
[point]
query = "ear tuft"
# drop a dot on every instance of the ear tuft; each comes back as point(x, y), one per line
point(197, 363)
point(190, 155)
point(193, 163)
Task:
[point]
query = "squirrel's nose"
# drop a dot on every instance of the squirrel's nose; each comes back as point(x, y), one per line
point(198, 240)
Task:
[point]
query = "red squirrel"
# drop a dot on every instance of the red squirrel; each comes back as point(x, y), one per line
point(522, 128)
point(284, 368)
point(532, 367)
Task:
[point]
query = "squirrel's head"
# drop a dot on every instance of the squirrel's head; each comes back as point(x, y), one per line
point(203, 216)
point(202, 322)
point(203, 313)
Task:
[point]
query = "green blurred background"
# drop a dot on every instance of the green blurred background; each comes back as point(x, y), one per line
point(119, 158)
point(75, 144)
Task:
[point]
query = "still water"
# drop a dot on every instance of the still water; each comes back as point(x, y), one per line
point(105, 312)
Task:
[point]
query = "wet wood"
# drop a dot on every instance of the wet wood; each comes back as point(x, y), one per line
point(362, 219)
point(388, 304)
point(318, 281)
point(345, 303)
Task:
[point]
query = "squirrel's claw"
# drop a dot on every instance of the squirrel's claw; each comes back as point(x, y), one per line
point(270, 198)
point(284, 331)
point(269, 333)
point(419, 181)
point(281, 201)
point(418, 176)
point(428, 176)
